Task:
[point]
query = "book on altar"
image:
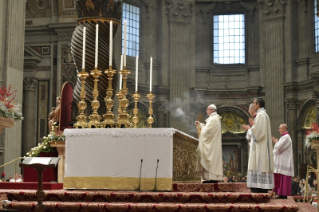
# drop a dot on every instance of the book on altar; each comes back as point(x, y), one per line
point(44, 161)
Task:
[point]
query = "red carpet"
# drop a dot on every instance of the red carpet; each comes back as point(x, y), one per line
point(30, 185)
point(193, 197)
point(131, 196)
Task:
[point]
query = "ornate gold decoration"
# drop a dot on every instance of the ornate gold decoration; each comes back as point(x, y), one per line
point(150, 119)
point(95, 117)
point(184, 159)
point(81, 118)
point(135, 119)
point(109, 116)
point(232, 122)
point(117, 183)
point(314, 145)
point(142, 123)
point(123, 117)
point(89, 5)
point(310, 117)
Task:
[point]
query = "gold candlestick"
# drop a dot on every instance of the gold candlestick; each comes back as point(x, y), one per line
point(123, 117)
point(135, 119)
point(95, 117)
point(81, 118)
point(150, 119)
point(109, 116)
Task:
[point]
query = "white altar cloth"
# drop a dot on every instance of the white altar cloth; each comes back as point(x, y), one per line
point(111, 158)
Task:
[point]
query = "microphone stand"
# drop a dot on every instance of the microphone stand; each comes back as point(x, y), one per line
point(139, 184)
point(156, 175)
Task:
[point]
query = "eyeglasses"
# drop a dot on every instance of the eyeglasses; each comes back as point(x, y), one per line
point(208, 109)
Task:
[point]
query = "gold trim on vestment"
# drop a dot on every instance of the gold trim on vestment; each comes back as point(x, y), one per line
point(116, 183)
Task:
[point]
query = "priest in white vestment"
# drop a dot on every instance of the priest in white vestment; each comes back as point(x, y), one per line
point(251, 138)
point(209, 151)
point(283, 163)
point(260, 169)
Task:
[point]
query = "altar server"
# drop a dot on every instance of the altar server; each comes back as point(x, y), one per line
point(283, 163)
point(209, 151)
point(251, 138)
point(260, 172)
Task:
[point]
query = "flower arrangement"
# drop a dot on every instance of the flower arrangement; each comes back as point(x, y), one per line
point(312, 134)
point(7, 108)
point(45, 145)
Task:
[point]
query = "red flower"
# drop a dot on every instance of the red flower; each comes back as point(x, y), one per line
point(4, 94)
point(314, 129)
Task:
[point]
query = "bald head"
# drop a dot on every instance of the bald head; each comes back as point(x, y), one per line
point(283, 128)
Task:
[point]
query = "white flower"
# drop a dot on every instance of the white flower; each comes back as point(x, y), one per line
point(44, 147)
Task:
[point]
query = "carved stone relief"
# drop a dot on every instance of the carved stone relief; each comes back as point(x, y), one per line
point(292, 103)
point(30, 84)
point(38, 8)
point(67, 11)
point(273, 7)
point(68, 67)
point(180, 10)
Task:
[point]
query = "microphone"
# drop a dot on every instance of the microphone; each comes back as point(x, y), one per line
point(156, 175)
point(139, 184)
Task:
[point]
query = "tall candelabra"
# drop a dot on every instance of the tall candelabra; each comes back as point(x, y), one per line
point(135, 119)
point(81, 118)
point(109, 116)
point(123, 117)
point(150, 119)
point(95, 117)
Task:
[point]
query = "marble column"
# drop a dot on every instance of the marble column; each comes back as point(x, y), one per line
point(12, 30)
point(292, 104)
point(29, 112)
point(272, 60)
point(182, 61)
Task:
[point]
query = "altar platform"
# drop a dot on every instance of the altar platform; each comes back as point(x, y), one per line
point(219, 199)
point(128, 159)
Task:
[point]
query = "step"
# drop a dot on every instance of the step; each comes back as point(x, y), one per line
point(272, 206)
point(133, 196)
point(30, 185)
point(209, 187)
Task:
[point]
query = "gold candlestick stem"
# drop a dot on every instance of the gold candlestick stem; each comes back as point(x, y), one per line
point(123, 117)
point(95, 117)
point(135, 119)
point(81, 118)
point(109, 116)
point(150, 119)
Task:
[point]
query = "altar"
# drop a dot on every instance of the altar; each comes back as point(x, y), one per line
point(119, 159)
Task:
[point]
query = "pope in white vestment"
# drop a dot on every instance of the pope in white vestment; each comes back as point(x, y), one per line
point(260, 165)
point(283, 163)
point(209, 151)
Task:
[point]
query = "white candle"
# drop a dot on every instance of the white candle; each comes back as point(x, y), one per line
point(136, 73)
point(96, 43)
point(151, 72)
point(121, 68)
point(125, 43)
point(83, 56)
point(111, 43)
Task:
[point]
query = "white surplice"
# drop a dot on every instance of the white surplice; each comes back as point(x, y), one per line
point(283, 156)
point(209, 151)
point(260, 164)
